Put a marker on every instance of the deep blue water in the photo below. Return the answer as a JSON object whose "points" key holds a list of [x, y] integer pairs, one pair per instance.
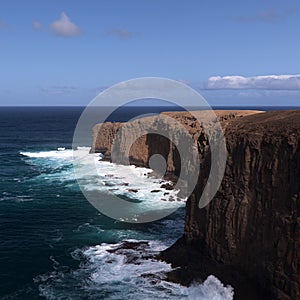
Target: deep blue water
{"points": [[47, 227], [43, 221]]}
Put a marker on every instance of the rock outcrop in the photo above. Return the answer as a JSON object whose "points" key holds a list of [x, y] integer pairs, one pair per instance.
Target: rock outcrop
{"points": [[251, 229]]}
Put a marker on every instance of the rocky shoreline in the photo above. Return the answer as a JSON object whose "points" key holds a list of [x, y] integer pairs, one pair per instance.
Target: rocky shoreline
{"points": [[192, 264], [249, 235]]}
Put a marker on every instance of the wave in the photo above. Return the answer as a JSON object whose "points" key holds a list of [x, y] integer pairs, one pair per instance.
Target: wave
{"points": [[126, 270], [16, 198], [49, 154], [130, 183], [60, 152]]}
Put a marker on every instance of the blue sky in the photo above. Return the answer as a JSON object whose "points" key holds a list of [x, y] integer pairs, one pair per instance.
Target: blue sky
{"points": [[63, 52]]}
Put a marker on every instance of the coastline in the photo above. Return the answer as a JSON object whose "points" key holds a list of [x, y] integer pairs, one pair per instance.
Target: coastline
{"points": [[225, 254], [192, 263]]}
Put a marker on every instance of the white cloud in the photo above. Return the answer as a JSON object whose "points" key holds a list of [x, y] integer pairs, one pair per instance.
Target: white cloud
{"points": [[37, 25], [65, 27], [268, 82]]}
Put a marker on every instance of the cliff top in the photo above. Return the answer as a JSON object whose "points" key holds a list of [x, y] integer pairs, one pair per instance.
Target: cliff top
{"points": [[279, 122]]}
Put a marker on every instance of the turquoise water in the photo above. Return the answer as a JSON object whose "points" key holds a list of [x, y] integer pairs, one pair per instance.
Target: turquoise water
{"points": [[53, 243]]}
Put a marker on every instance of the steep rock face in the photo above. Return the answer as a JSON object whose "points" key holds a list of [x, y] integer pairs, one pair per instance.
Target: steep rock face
{"points": [[104, 136], [253, 222]]}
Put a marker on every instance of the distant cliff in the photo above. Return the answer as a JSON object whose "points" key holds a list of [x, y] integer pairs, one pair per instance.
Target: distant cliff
{"points": [[253, 223]]}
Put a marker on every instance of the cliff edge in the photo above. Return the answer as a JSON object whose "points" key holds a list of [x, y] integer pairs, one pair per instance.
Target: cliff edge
{"points": [[251, 229]]}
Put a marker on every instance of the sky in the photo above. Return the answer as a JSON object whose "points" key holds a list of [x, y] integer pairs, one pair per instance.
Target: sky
{"points": [[64, 52]]}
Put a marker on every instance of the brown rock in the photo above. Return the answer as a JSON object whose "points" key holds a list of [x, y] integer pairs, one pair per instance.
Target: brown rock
{"points": [[133, 190], [167, 186], [252, 226]]}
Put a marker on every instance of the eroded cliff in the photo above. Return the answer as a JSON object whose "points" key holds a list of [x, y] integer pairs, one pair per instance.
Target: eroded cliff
{"points": [[253, 222]]}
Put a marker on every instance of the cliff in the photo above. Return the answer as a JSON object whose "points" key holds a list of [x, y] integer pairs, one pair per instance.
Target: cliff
{"points": [[249, 234]]}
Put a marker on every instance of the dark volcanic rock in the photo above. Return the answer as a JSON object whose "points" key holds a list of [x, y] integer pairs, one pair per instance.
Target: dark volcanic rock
{"points": [[254, 220], [167, 186], [249, 234], [193, 263], [133, 190]]}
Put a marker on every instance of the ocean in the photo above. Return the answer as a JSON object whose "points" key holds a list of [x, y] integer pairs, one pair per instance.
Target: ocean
{"points": [[53, 243]]}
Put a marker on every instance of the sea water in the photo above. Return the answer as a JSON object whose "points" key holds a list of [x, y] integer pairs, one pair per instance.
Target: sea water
{"points": [[54, 244]]}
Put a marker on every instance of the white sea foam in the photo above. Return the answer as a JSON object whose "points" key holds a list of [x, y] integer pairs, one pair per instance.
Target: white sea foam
{"points": [[23, 198], [212, 288], [112, 263], [126, 270], [130, 182], [108, 270], [49, 154], [18, 199]]}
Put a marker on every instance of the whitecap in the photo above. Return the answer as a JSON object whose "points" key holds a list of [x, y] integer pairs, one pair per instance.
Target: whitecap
{"points": [[23, 198], [212, 288], [49, 154], [130, 183], [126, 270]]}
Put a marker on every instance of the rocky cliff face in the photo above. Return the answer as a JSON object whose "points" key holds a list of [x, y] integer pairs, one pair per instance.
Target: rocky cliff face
{"points": [[253, 222]]}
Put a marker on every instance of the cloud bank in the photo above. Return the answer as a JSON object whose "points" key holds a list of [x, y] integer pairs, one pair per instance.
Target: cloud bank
{"points": [[268, 82], [65, 27]]}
